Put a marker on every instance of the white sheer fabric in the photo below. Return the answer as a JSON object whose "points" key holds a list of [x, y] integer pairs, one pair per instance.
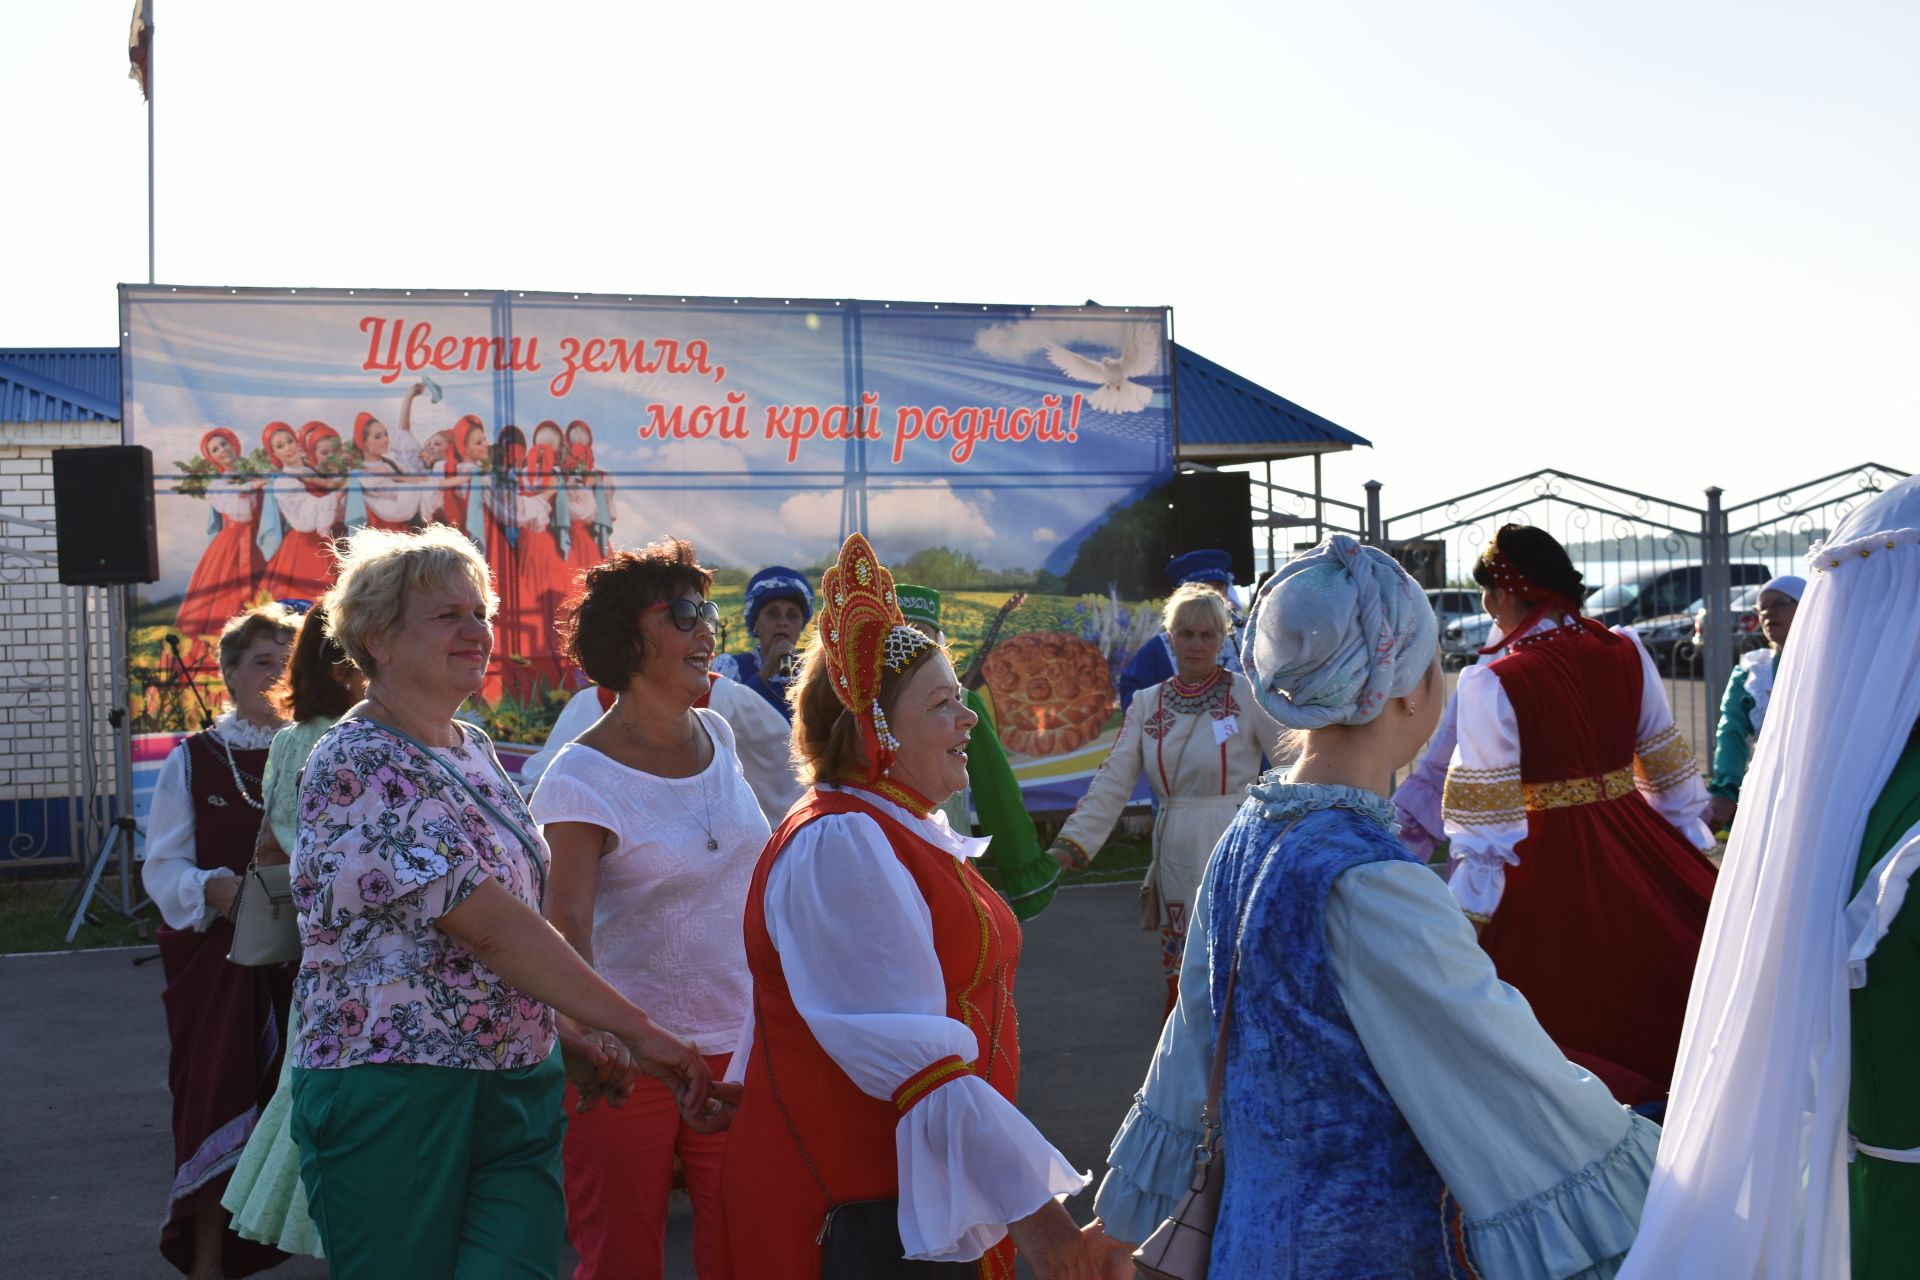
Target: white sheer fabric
{"points": [[237, 500], [1751, 1177], [874, 997], [1488, 746], [392, 483]]}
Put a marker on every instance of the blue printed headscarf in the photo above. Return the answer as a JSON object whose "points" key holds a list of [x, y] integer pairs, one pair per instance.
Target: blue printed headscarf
{"points": [[1336, 632]]}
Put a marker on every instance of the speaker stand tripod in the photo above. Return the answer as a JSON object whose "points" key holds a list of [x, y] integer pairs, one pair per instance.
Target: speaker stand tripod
{"points": [[118, 846]]}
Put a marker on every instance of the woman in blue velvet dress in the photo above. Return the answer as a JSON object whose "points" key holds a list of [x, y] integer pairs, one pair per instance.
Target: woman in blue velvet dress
{"points": [[1391, 1108]]}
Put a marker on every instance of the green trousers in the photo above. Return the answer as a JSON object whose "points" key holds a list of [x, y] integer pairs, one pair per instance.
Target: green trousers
{"points": [[434, 1173], [1883, 1105]]}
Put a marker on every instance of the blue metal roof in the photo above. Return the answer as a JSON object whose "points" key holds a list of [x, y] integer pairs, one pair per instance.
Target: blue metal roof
{"points": [[59, 384], [1225, 418]]}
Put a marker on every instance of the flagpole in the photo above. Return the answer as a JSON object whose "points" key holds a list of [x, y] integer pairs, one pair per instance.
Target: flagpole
{"points": [[149, 86]]}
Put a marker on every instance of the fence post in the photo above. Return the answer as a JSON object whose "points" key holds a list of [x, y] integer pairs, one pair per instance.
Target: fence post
{"points": [[1374, 534], [1717, 578]]}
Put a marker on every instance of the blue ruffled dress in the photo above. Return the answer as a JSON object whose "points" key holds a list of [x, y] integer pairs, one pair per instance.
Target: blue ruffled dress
{"points": [[1391, 1107]]}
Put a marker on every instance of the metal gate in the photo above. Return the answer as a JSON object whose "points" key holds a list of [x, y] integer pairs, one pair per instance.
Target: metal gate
{"points": [[1650, 563], [57, 754]]}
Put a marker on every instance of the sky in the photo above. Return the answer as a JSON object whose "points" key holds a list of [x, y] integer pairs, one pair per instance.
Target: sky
{"points": [[1666, 245]]}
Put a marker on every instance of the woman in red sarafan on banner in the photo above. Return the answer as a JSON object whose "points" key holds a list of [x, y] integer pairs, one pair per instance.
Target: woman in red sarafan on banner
{"points": [[1572, 804], [230, 569], [884, 1054], [586, 507], [385, 491], [311, 504], [546, 579]]}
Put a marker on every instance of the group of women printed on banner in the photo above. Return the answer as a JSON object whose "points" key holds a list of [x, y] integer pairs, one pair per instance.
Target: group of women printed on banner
{"points": [[541, 512]]}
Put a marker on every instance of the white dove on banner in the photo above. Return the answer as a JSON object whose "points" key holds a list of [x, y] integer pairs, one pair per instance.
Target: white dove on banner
{"points": [[1139, 353]]}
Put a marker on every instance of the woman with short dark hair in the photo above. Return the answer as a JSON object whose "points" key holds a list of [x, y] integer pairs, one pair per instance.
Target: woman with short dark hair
{"points": [[1572, 806], [654, 832]]}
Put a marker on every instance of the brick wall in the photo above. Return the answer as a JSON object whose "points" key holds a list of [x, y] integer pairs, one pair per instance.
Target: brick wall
{"points": [[42, 775]]}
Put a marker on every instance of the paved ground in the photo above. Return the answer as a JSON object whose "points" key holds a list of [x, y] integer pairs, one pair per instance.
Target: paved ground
{"points": [[85, 1154]]}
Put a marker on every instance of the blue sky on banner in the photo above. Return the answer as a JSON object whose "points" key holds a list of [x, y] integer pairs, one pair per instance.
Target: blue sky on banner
{"points": [[1665, 244], [767, 373]]}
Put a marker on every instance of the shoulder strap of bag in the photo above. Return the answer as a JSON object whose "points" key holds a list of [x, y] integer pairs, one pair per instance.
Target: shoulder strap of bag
{"points": [[1210, 1115], [500, 819]]}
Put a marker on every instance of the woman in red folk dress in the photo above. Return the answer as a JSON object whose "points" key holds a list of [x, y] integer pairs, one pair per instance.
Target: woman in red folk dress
{"points": [[231, 567], [546, 578], [1573, 804], [311, 505], [384, 490], [587, 512], [883, 1057]]}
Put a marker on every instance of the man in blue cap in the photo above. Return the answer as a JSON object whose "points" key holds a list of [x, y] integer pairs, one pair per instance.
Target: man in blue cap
{"points": [[1154, 662], [779, 605]]}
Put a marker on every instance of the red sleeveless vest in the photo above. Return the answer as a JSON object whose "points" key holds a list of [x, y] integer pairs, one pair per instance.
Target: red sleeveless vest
{"points": [[774, 1205]]}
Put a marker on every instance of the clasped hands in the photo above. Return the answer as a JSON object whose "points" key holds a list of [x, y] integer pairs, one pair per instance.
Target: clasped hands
{"points": [[604, 1067]]}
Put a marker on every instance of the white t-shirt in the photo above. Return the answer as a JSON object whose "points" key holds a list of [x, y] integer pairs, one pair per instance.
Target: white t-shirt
{"points": [[667, 913]]}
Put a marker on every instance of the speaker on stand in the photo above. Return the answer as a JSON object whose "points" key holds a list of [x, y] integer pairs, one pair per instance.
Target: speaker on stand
{"points": [[1214, 509], [104, 537]]}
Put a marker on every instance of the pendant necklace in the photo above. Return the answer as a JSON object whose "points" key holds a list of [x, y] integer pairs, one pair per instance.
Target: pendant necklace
{"points": [[713, 843]]}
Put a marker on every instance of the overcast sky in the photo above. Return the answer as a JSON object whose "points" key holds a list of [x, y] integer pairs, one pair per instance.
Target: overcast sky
{"points": [[1664, 244]]}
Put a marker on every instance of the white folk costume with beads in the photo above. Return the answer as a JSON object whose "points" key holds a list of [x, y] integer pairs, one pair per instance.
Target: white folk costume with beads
{"points": [[1198, 747]]}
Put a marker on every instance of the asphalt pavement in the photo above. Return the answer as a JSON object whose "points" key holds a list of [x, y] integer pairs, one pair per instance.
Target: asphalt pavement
{"points": [[86, 1154]]}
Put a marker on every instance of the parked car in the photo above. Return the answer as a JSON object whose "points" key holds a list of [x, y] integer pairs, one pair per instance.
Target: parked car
{"points": [[1452, 603], [1743, 619], [1461, 639], [1668, 591]]}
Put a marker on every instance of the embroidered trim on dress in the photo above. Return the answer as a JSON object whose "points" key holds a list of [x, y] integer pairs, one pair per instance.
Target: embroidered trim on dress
{"points": [[923, 1082], [1215, 698], [1571, 792], [1483, 797], [1664, 761]]}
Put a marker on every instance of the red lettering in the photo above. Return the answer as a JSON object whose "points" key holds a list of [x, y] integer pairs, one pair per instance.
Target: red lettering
{"points": [[374, 326], [661, 425]]}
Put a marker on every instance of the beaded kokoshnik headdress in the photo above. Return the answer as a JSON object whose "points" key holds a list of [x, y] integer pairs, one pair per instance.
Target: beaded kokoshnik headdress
{"points": [[863, 636]]}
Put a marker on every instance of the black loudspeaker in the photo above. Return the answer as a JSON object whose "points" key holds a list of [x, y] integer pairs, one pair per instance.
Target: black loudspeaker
{"points": [[103, 516], [1215, 509]]}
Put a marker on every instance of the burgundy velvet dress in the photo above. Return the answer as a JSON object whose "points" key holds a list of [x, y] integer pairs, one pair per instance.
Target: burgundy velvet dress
{"points": [[225, 1023]]}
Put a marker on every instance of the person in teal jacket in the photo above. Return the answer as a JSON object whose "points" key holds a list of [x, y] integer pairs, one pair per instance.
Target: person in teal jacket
{"points": [[1027, 874], [1744, 705]]}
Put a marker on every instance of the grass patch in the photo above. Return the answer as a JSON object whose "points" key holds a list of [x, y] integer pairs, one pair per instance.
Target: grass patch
{"points": [[31, 919]]}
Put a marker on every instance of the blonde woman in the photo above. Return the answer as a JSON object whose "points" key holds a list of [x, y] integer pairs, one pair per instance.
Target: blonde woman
{"points": [[1199, 737]]}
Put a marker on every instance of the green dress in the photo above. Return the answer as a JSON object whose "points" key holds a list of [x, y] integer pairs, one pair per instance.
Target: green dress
{"points": [[1026, 872], [1883, 1104], [264, 1195]]}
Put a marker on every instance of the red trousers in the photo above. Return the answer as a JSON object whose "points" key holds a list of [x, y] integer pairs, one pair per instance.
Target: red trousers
{"points": [[619, 1169]]}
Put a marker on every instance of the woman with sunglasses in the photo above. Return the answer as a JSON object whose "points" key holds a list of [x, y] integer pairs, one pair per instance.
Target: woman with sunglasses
{"points": [[655, 834]]}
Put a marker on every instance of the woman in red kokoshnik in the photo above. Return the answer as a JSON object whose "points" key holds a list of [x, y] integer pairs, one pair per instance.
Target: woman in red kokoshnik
{"points": [[231, 567], [310, 506], [885, 1055], [1573, 804]]}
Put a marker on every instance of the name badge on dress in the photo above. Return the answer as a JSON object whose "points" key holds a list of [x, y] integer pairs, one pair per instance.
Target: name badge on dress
{"points": [[1224, 728]]}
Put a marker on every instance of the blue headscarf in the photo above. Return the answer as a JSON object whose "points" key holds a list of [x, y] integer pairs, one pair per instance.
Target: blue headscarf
{"points": [[777, 582], [1336, 632]]}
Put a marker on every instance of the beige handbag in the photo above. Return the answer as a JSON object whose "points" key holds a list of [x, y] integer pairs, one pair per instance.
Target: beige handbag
{"points": [[1180, 1247], [266, 928]]}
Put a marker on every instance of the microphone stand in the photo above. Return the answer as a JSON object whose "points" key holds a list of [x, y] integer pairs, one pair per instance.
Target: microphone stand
{"points": [[184, 674]]}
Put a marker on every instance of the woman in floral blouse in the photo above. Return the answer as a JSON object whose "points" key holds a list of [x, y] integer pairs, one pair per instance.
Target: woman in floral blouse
{"points": [[427, 1099]]}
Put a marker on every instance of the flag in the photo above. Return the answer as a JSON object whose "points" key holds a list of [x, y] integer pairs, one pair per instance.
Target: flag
{"points": [[140, 49]]}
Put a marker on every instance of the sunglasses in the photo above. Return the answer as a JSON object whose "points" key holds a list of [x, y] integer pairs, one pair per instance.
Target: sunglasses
{"points": [[685, 612]]}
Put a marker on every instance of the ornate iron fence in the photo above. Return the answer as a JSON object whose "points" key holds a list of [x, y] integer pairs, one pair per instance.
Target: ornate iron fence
{"points": [[58, 769]]}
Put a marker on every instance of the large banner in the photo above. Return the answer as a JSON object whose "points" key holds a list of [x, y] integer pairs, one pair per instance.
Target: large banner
{"points": [[989, 452]]}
